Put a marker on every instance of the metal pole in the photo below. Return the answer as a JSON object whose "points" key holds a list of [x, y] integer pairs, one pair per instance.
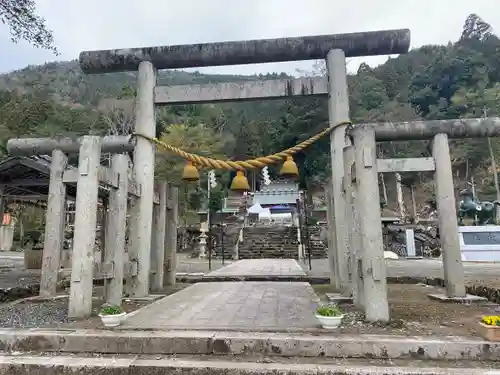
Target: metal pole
{"points": [[208, 226], [209, 243], [473, 186], [308, 237], [299, 219], [208, 203], [222, 242]]}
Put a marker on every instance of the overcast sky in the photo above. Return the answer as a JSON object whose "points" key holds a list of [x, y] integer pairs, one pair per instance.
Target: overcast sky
{"points": [[103, 24]]}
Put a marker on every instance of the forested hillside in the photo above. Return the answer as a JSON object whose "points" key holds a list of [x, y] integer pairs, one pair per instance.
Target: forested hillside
{"points": [[461, 79]]}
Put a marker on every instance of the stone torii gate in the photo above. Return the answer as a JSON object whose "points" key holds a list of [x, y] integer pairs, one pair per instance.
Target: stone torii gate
{"points": [[333, 48], [367, 274], [113, 184]]}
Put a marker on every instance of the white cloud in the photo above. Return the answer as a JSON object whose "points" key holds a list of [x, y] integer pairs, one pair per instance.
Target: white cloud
{"points": [[102, 24]]}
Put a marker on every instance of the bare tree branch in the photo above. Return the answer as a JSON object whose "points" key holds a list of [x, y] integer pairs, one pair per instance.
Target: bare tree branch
{"points": [[21, 18]]}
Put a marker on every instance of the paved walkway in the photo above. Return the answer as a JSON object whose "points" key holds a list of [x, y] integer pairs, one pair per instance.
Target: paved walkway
{"points": [[417, 268], [239, 306], [261, 267]]}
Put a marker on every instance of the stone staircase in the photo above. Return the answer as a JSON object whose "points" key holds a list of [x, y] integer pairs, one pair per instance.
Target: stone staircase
{"points": [[317, 242], [269, 242], [224, 247], [117, 352]]}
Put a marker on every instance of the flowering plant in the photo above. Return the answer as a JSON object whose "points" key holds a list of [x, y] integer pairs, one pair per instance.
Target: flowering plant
{"points": [[491, 320]]}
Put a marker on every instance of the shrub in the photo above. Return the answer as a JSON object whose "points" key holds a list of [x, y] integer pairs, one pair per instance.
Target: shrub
{"points": [[328, 310], [111, 310]]}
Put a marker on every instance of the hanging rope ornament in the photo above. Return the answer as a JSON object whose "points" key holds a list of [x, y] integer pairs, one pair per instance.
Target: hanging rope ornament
{"points": [[190, 173], [240, 182], [289, 168], [257, 163]]}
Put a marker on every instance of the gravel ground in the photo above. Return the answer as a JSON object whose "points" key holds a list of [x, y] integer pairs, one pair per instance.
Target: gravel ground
{"points": [[30, 313], [408, 304], [413, 313], [27, 314]]}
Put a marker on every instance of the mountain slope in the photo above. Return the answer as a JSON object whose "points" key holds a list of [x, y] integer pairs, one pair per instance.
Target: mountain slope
{"points": [[64, 81]]}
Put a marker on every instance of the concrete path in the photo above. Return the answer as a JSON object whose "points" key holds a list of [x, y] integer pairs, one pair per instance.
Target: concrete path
{"points": [[242, 306], [261, 267]]}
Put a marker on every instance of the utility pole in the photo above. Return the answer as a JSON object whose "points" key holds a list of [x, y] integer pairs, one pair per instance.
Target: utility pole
{"points": [[473, 186], [494, 169], [212, 183], [208, 201]]}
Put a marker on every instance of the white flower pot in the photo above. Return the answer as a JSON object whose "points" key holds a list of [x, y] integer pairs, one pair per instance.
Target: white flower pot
{"points": [[113, 320], [330, 322]]}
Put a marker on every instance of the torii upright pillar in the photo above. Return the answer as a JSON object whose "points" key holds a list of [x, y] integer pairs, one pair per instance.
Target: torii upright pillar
{"points": [[368, 208], [144, 161], [338, 112]]}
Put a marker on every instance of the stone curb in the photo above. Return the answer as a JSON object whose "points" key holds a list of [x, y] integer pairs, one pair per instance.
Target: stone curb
{"points": [[314, 280], [122, 366], [208, 279], [248, 343]]}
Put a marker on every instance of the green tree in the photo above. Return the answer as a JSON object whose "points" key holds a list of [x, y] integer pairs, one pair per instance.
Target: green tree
{"points": [[198, 139], [367, 94], [476, 28]]}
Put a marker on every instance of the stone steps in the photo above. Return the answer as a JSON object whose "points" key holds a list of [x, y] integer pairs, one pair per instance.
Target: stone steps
{"points": [[230, 239], [228, 252], [270, 248], [319, 248], [263, 255], [262, 252], [284, 242], [269, 242], [276, 245], [144, 365], [276, 345]]}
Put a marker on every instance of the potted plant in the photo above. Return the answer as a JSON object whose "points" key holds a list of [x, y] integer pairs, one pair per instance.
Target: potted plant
{"points": [[112, 315], [489, 327], [330, 316]]}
